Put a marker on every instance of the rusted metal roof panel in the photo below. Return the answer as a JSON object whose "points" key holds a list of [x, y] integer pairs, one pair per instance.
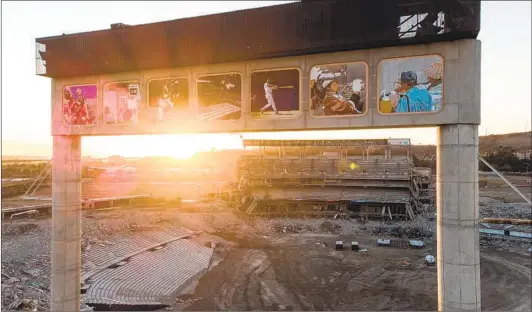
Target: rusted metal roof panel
{"points": [[315, 143], [292, 29]]}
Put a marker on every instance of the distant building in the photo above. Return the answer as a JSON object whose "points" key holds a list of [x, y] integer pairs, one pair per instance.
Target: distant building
{"points": [[116, 160], [523, 155]]}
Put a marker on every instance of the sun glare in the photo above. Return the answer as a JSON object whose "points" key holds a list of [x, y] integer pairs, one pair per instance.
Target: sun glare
{"points": [[185, 146], [176, 146]]}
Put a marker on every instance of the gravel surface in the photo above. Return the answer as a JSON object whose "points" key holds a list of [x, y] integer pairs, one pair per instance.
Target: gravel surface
{"points": [[492, 208], [26, 248]]}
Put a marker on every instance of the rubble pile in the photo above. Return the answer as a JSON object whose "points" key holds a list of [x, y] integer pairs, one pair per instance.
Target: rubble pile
{"points": [[397, 231], [299, 226], [419, 228], [503, 244], [26, 265], [19, 229], [22, 294], [293, 228], [492, 208], [329, 227]]}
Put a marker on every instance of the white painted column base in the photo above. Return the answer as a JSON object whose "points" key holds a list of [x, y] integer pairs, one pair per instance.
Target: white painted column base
{"points": [[66, 220], [458, 256]]}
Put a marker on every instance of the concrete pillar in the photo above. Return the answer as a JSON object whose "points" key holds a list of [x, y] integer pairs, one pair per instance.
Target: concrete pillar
{"points": [[457, 203], [66, 220]]}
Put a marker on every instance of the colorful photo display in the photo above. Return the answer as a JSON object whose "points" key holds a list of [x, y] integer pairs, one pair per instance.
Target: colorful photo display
{"points": [[338, 90], [168, 99], [219, 97], [79, 105], [275, 94], [121, 101], [411, 85]]}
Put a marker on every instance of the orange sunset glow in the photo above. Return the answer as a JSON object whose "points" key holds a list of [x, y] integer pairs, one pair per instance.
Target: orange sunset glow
{"points": [[186, 145]]}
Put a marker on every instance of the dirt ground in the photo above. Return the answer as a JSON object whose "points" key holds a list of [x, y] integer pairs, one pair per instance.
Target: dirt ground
{"points": [[497, 189], [303, 271], [282, 264]]}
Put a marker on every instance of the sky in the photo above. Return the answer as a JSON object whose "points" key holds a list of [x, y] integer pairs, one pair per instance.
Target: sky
{"points": [[505, 75]]}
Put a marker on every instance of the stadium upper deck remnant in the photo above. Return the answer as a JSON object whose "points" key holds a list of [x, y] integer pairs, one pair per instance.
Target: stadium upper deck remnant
{"points": [[293, 29]]}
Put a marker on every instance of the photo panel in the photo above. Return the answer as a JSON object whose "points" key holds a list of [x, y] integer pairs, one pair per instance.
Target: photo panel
{"points": [[411, 85], [168, 99], [121, 102], [80, 105], [219, 96], [338, 89], [275, 94]]}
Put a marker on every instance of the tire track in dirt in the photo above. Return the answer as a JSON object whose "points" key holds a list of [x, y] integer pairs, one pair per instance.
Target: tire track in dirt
{"points": [[243, 280], [295, 274], [506, 275]]}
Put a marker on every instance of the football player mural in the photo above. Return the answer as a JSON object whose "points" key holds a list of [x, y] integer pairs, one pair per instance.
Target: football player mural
{"points": [[79, 105], [338, 90]]}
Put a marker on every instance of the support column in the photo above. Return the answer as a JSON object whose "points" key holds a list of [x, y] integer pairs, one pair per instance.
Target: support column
{"points": [[458, 256], [66, 220]]}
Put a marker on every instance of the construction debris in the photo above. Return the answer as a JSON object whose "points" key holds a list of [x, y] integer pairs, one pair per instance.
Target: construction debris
{"points": [[492, 208], [383, 242], [416, 243]]}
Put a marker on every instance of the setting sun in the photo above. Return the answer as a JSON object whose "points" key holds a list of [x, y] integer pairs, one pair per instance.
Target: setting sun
{"points": [[186, 145], [177, 146]]}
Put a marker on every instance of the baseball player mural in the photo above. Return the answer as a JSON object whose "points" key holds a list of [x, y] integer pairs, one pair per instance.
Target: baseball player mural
{"points": [[168, 99], [338, 90], [220, 96], [275, 94], [411, 85], [79, 105], [268, 94]]}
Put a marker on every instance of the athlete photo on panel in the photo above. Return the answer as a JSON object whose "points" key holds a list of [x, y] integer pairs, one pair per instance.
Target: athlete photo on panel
{"points": [[79, 105], [168, 99], [121, 102], [275, 94], [411, 85], [219, 97], [338, 90], [268, 94]]}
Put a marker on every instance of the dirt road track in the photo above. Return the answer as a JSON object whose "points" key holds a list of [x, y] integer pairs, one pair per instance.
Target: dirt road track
{"points": [[512, 274], [293, 273], [298, 275]]}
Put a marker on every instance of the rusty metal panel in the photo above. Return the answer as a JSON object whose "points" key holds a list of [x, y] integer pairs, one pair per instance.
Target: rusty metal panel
{"points": [[292, 29], [315, 143]]}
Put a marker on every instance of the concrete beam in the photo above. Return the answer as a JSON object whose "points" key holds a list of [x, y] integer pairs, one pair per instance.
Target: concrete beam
{"points": [[457, 203], [66, 220]]}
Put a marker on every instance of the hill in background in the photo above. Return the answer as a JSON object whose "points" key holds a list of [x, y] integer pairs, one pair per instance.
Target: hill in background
{"points": [[519, 141]]}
